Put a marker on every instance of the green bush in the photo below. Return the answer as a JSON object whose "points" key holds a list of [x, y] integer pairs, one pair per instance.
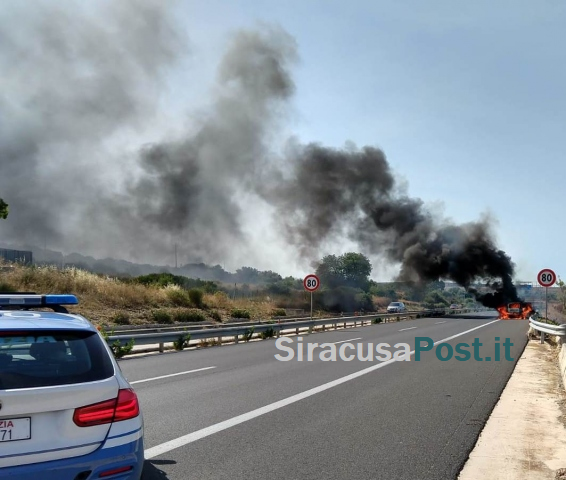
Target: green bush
{"points": [[279, 312], [183, 316], [182, 342], [344, 299], [164, 279], [161, 279], [269, 333], [6, 288], [364, 302], [161, 316], [239, 313], [118, 350], [215, 316], [248, 334], [121, 318], [180, 298], [376, 320], [435, 299], [196, 296]]}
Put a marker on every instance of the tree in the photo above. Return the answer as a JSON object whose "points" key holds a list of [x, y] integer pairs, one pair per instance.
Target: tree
{"points": [[348, 270], [435, 299], [268, 276], [328, 271], [437, 285], [3, 209], [247, 275], [356, 269]]}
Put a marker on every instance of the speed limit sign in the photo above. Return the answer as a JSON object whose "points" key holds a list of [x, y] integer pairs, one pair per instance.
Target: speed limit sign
{"points": [[546, 277], [311, 282]]}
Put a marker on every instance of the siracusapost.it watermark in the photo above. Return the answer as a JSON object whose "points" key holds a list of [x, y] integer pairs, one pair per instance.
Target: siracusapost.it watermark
{"points": [[382, 352]]}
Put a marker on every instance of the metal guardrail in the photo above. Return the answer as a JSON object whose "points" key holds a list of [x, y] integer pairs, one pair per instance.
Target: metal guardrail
{"points": [[250, 331], [155, 328], [125, 330], [542, 327]]}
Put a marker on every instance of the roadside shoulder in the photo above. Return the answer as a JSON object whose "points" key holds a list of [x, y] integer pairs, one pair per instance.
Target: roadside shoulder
{"points": [[525, 436]]}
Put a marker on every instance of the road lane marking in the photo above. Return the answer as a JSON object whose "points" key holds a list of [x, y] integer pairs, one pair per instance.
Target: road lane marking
{"points": [[218, 427], [344, 341], [170, 375], [438, 323], [403, 329]]}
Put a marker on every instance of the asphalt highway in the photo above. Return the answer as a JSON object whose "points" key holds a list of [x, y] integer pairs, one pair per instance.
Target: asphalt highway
{"points": [[236, 412]]}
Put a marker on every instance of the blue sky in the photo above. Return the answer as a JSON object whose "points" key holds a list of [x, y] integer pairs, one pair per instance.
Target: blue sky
{"points": [[466, 99]]}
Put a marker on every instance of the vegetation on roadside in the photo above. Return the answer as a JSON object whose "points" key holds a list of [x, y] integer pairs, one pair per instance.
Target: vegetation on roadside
{"points": [[116, 347], [182, 342], [4, 210], [109, 300], [167, 299], [248, 334], [268, 333], [240, 313]]}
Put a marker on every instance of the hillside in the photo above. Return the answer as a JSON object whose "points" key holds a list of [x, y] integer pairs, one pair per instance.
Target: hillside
{"points": [[164, 298], [109, 300], [124, 268]]}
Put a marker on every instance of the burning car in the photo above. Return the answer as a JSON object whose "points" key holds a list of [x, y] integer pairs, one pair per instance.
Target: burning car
{"points": [[515, 311]]}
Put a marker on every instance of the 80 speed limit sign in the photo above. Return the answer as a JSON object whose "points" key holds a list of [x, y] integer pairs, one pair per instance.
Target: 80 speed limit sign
{"points": [[311, 283], [546, 277]]}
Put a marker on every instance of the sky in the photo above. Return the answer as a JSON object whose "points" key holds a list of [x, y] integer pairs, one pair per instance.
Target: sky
{"points": [[465, 100]]}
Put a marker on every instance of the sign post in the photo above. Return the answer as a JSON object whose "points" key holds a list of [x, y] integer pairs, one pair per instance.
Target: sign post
{"points": [[311, 283], [546, 278]]}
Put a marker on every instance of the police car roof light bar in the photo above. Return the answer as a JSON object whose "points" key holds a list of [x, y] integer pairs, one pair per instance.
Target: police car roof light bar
{"points": [[30, 300]]}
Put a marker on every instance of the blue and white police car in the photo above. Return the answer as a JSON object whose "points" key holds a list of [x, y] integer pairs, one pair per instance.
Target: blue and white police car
{"points": [[66, 410]]}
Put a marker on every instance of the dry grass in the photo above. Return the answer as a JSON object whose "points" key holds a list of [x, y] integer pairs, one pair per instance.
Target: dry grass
{"points": [[381, 302], [412, 305], [107, 300], [556, 312]]}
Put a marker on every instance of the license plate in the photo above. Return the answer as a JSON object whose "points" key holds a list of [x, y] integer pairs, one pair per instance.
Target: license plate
{"points": [[12, 429]]}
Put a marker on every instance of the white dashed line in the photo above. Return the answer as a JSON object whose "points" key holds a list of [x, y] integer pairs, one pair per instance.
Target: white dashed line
{"points": [[171, 375], [344, 341]]}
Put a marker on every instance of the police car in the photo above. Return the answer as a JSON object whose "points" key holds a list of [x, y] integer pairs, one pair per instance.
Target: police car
{"points": [[66, 410]]}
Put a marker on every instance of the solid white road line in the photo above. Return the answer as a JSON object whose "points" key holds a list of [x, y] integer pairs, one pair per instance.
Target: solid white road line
{"points": [[170, 375], [438, 323], [218, 427], [403, 329], [344, 341]]}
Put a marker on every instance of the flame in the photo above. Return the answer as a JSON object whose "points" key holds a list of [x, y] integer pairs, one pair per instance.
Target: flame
{"points": [[515, 311]]}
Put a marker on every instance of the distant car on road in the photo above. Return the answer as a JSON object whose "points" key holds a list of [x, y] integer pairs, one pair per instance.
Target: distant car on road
{"points": [[396, 307], [455, 306], [66, 410]]}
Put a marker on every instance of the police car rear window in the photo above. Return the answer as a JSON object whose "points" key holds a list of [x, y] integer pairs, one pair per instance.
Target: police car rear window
{"points": [[51, 357]]}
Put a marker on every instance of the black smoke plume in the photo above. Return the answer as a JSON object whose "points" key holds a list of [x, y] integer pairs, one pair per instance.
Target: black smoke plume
{"points": [[330, 192], [77, 80]]}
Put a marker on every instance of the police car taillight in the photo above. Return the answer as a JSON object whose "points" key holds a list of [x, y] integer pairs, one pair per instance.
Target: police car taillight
{"points": [[124, 407]]}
